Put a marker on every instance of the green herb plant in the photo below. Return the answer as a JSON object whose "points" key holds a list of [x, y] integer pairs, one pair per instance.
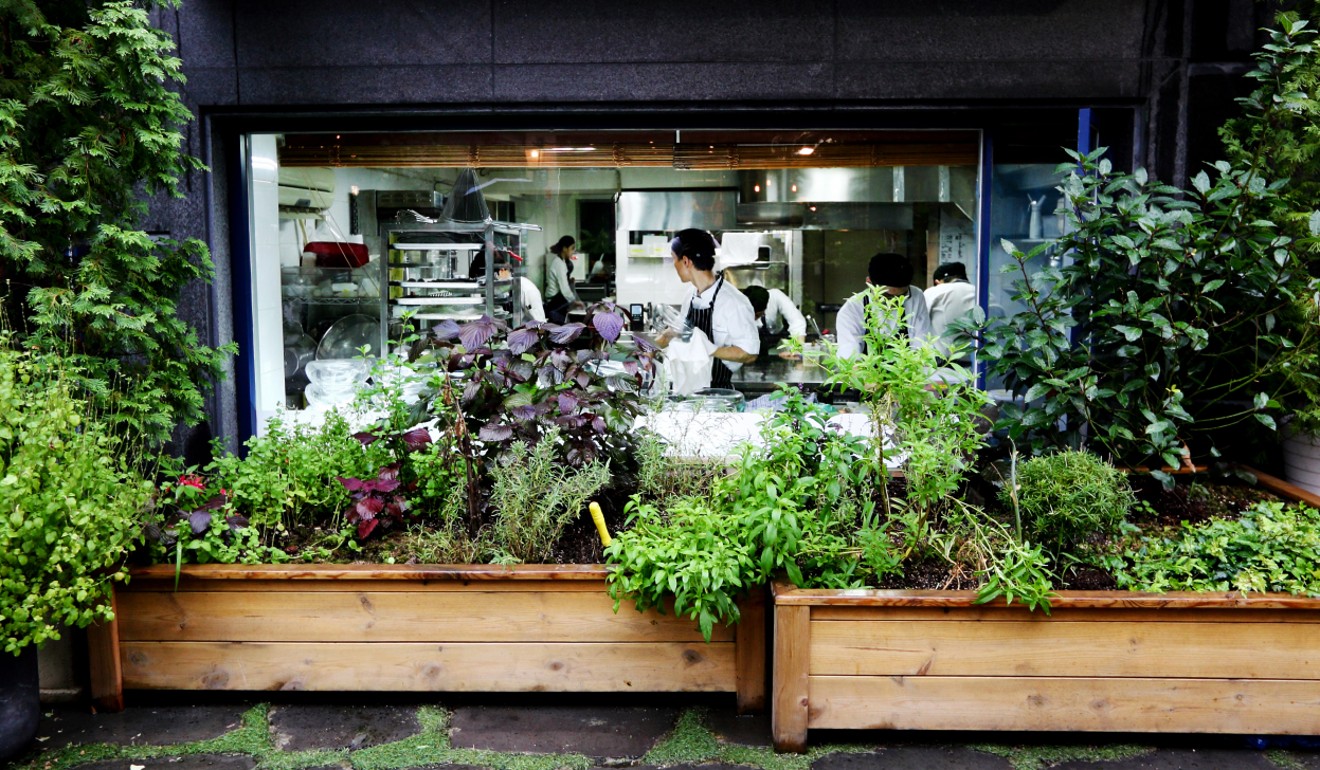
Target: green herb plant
{"points": [[199, 527], [789, 506], [73, 504], [288, 480], [534, 496], [1068, 501], [1272, 546]]}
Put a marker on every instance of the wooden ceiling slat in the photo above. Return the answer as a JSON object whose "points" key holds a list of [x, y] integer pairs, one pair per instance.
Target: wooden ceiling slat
{"points": [[901, 149]]}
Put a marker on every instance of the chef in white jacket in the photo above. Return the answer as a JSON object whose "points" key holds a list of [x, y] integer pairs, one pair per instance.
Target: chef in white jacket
{"points": [[893, 272]]}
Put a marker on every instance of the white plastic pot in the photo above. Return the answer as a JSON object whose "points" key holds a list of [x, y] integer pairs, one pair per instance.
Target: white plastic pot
{"points": [[1301, 460]]}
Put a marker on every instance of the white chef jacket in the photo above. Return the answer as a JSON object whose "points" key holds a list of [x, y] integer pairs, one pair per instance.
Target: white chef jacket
{"points": [[531, 300], [732, 323], [850, 324], [780, 312], [948, 302], [556, 279]]}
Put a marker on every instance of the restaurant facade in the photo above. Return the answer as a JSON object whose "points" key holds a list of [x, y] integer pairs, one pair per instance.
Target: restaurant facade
{"points": [[412, 137]]}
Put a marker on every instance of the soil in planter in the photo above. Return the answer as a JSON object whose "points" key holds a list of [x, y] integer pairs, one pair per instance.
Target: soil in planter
{"points": [[1192, 500]]}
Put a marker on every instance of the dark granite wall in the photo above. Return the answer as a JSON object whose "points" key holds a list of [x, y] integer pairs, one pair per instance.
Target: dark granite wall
{"points": [[1171, 66]]}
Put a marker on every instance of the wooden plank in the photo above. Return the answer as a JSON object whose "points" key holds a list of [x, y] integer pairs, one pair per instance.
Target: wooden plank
{"points": [[1061, 600], [789, 698], [941, 648], [409, 572], [1285, 489], [750, 651], [464, 667], [1069, 704], [472, 616], [1015, 614], [104, 669], [310, 585]]}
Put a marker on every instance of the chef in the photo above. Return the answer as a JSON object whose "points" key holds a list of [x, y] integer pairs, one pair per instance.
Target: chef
{"points": [[893, 272], [777, 318], [714, 306]]}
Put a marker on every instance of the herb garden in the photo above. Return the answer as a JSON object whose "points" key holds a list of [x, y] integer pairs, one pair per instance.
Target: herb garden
{"points": [[1091, 556]]}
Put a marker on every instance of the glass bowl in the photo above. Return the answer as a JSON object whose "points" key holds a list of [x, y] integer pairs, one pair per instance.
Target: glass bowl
{"points": [[346, 337]]}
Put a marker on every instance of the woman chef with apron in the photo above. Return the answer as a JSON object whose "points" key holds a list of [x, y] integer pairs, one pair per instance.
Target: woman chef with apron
{"points": [[713, 306]]}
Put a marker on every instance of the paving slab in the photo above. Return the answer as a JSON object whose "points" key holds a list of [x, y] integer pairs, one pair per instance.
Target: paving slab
{"points": [[332, 726], [600, 732], [187, 762], [739, 729], [156, 726], [1304, 758], [916, 758], [1181, 759]]}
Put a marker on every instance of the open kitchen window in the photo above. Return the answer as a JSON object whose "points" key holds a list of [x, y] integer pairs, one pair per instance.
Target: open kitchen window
{"points": [[351, 231]]}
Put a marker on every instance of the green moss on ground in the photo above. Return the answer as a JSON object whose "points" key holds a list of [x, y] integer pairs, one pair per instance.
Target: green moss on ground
{"points": [[690, 742]]}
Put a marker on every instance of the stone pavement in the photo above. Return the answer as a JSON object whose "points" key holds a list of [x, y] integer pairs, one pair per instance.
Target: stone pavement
{"points": [[284, 731]]}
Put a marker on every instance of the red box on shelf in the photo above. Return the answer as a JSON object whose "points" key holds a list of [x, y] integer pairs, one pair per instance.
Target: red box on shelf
{"points": [[338, 253]]}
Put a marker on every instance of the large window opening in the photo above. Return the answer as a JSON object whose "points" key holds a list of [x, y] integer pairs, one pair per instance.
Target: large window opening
{"points": [[350, 231]]}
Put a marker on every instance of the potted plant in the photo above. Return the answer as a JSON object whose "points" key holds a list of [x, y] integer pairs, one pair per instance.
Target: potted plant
{"points": [[72, 504], [460, 581]]}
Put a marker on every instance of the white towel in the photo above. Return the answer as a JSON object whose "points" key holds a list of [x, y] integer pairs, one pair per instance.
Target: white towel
{"points": [[688, 364]]}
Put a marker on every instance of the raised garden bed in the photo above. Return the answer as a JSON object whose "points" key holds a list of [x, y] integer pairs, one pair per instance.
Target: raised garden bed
{"points": [[1101, 661], [545, 628]]}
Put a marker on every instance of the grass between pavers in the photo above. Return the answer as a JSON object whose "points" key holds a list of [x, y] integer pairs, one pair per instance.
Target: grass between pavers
{"points": [[1042, 757], [690, 742]]}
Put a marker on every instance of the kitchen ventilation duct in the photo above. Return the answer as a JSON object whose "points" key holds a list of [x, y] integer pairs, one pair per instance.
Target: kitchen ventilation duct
{"points": [[465, 202]]}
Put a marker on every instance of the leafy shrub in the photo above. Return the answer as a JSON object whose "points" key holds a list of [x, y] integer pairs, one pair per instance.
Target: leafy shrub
{"points": [[1272, 547], [90, 128], [1163, 325], [518, 385], [1067, 499], [72, 503]]}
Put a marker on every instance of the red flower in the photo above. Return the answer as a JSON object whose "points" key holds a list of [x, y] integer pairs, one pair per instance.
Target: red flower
{"points": [[192, 481]]}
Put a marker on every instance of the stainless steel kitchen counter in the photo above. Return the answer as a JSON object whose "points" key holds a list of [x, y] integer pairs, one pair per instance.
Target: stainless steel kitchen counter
{"points": [[765, 377]]}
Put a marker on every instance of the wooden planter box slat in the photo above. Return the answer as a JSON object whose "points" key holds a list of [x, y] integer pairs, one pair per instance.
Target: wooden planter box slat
{"points": [[429, 666], [392, 616], [1149, 648], [1101, 661], [1065, 704], [410, 628]]}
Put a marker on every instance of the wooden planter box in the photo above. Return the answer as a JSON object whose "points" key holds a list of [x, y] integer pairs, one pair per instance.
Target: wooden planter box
{"points": [[1102, 661], [548, 628]]}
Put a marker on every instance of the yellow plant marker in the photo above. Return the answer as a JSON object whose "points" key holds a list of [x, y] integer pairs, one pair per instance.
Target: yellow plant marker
{"points": [[599, 518]]}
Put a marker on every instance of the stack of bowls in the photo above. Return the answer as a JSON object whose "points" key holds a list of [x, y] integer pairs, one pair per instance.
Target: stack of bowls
{"points": [[334, 381]]}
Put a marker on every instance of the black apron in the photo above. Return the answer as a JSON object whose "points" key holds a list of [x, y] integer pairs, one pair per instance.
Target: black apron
{"points": [[721, 376], [769, 340]]}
